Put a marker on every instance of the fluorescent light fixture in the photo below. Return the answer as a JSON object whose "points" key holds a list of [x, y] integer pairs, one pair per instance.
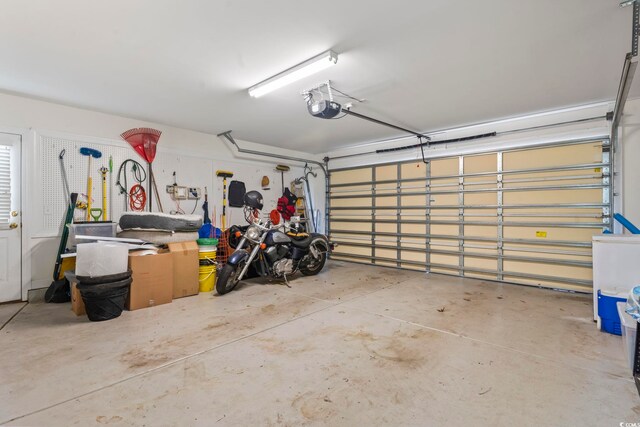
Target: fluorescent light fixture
{"points": [[300, 71]]}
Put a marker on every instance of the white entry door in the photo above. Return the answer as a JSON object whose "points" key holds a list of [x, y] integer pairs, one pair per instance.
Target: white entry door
{"points": [[10, 218]]}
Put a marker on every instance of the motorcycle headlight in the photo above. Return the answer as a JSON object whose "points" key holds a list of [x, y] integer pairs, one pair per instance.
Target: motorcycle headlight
{"points": [[253, 233]]}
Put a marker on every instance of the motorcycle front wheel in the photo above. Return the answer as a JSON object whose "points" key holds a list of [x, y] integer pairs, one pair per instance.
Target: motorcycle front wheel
{"points": [[228, 278]]}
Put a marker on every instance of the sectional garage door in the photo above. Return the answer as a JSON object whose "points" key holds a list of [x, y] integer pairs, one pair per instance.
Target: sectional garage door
{"points": [[521, 216]]}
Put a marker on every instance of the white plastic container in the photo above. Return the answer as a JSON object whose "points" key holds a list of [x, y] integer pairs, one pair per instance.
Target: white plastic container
{"points": [[101, 259], [615, 265], [97, 229], [629, 326]]}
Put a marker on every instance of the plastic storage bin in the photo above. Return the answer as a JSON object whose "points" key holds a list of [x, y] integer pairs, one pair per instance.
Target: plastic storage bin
{"points": [[628, 325], [97, 229], [608, 312], [101, 259]]}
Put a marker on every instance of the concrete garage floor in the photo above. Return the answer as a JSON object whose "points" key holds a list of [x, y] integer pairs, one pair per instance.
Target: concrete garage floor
{"points": [[355, 345]]}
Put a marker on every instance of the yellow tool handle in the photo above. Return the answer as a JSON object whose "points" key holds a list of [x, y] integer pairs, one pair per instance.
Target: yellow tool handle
{"points": [[104, 197], [89, 187]]}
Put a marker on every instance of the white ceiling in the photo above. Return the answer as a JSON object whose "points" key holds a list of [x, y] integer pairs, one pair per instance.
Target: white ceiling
{"points": [[421, 64]]}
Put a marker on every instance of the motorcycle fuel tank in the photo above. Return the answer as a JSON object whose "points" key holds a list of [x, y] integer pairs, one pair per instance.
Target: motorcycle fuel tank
{"points": [[276, 237]]}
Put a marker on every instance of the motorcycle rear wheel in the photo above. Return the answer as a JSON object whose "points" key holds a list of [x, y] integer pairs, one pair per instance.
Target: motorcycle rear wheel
{"points": [[227, 279], [316, 267]]}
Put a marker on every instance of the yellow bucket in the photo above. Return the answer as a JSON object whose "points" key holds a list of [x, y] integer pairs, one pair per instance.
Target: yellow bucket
{"points": [[207, 269]]}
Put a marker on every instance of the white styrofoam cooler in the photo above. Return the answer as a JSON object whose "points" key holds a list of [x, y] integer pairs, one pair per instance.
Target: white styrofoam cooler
{"points": [[616, 265]]}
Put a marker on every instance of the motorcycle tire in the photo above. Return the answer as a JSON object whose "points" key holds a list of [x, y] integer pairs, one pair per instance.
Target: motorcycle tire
{"points": [[227, 273], [317, 268]]}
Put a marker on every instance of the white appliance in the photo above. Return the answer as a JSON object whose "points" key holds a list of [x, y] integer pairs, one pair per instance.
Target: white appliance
{"points": [[616, 265]]}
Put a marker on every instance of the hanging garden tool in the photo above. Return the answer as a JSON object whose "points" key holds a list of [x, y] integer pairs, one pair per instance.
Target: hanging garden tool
{"points": [[89, 152], [282, 169], [205, 207], [58, 290], [103, 172], [64, 175], [224, 175], [144, 142], [111, 187]]}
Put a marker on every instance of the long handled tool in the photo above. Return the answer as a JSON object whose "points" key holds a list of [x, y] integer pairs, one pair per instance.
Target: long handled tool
{"points": [[58, 290], [103, 172], [282, 169], [90, 153], [205, 207], [64, 174], [144, 142], [110, 187], [224, 175]]}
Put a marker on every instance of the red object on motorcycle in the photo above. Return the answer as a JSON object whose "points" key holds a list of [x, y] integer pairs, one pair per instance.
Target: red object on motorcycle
{"points": [[275, 217]]}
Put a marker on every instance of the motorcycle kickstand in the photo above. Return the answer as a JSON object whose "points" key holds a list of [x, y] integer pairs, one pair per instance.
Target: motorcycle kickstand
{"points": [[286, 282]]}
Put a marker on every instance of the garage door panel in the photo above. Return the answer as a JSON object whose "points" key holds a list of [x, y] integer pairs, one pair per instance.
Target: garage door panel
{"points": [[414, 170], [552, 157], [387, 202], [480, 163], [444, 229], [480, 231], [546, 216], [412, 256], [347, 203], [350, 176], [481, 276], [549, 233], [414, 228], [444, 199], [388, 172], [387, 253], [481, 263], [413, 200], [386, 228], [552, 197], [578, 273], [346, 249], [480, 199], [355, 226], [452, 260], [444, 167]]}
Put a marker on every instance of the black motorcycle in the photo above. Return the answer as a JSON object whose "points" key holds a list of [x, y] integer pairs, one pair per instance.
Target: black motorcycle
{"points": [[269, 252]]}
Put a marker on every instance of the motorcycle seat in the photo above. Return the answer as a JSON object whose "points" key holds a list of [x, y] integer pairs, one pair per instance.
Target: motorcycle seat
{"points": [[301, 242]]}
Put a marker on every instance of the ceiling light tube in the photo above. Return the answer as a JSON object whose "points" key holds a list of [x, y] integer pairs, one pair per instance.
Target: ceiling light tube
{"points": [[293, 74]]}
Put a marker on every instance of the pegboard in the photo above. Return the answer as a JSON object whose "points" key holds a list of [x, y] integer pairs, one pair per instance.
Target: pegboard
{"points": [[52, 200], [49, 203]]}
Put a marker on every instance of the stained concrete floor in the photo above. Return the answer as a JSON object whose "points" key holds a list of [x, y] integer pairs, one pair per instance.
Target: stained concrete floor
{"points": [[355, 345]]}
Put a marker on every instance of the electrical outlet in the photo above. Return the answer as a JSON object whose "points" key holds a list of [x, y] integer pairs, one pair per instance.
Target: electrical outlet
{"points": [[194, 193], [170, 189], [180, 193]]}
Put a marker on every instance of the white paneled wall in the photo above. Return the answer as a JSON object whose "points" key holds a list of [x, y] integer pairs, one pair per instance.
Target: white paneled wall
{"points": [[47, 127], [191, 171]]}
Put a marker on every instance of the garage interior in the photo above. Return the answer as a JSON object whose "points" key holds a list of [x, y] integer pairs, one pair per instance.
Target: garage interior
{"points": [[272, 213]]}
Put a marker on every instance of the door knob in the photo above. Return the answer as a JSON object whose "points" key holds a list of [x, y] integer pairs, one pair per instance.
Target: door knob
{"points": [[14, 213], [13, 225]]}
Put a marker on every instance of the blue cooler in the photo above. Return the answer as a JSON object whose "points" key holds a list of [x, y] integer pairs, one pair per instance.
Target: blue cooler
{"points": [[608, 312]]}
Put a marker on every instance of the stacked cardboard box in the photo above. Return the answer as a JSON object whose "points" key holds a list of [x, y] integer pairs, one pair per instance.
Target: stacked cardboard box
{"points": [[156, 278]]}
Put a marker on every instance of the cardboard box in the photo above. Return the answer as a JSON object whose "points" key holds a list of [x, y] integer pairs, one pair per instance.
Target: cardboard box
{"points": [[77, 305], [185, 268], [152, 280]]}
